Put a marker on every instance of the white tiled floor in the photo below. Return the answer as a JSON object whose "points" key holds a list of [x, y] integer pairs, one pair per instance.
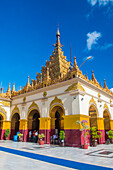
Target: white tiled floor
{"points": [[11, 162]]}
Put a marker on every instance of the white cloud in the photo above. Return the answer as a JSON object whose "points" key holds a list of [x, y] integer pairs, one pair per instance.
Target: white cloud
{"points": [[92, 2], [92, 39], [100, 2]]}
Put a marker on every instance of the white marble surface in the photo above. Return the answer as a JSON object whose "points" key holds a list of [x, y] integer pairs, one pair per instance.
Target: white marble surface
{"points": [[10, 162]]}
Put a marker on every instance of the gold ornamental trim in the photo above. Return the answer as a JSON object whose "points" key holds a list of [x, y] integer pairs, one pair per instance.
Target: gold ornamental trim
{"points": [[75, 86], [105, 106], [15, 110], [5, 103], [2, 110], [92, 101], [56, 100], [33, 106]]}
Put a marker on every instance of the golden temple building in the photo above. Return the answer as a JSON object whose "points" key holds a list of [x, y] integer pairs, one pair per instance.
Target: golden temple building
{"points": [[55, 101]]}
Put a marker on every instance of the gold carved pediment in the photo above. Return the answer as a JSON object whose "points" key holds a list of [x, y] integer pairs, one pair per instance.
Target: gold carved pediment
{"points": [[92, 101], [2, 110], [75, 86], [56, 100], [15, 110], [33, 106], [105, 106]]}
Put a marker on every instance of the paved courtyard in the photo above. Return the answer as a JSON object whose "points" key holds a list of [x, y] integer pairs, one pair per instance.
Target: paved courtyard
{"points": [[21, 156]]}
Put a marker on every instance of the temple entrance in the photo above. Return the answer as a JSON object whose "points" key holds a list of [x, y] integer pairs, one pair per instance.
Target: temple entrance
{"points": [[93, 116], [33, 122], [1, 124], [106, 117], [15, 124], [57, 122]]}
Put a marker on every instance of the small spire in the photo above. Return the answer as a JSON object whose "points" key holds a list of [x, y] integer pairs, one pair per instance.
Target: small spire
{"points": [[93, 77], [105, 86], [9, 88], [1, 90], [20, 88], [75, 63], [13, 90], [58, 33], [32, 83], [28, 84]]}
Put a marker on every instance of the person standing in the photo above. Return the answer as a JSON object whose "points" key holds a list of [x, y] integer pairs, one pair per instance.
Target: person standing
{"points": [[36, 136], [30, 134]]}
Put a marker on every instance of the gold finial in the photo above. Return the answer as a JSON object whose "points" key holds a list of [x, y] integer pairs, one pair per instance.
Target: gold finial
{"points": [[31, 82], [13, 90], [105, 83], [9, 88], [58, 33], [93, 77], [28, 84], [1, 90]]}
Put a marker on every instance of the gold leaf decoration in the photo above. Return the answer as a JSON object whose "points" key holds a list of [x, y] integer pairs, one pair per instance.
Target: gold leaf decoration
{"points": [[56, 100], [24, 99], [2, 110], [45, 94], [106, 106], [98, 95], [5, 103], [33, 106], [15, 110], [75, 86], [92, 101]]}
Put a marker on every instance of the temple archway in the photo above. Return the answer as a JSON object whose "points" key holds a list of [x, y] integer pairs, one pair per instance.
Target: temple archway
{"points": [[15, 121], [93, 115], [33, 120], [57, 119], [106, 117]]}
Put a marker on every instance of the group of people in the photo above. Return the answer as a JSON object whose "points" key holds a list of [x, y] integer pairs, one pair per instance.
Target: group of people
{"points": [[55, 139], [33, 136]]}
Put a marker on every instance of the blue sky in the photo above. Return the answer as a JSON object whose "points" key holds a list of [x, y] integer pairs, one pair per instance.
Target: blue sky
{"points": [[28, 30]]}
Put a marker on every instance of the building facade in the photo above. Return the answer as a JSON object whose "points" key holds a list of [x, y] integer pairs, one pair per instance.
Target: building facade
{"points": [[55, 101]]}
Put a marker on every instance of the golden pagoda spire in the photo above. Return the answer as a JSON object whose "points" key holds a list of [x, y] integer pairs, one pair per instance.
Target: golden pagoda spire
{"points": [[20, 88], [13, 90], [8, 90], [93, 77], [105, 86], [75, 63], [28, 84]]}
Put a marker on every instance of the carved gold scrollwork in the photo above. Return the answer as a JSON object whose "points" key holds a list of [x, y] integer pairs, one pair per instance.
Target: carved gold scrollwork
{"points": [[106, 106], [2, 110], [75, 86], [56, 100], [15, 110], [33, 106], [92, 101], [5, 103]]}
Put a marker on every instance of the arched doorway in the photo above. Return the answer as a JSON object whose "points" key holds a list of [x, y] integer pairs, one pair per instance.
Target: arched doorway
{"points": [[15, 121], [1, 124], [93, 115], [106, 117], [57, 119], [33, 120]]}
